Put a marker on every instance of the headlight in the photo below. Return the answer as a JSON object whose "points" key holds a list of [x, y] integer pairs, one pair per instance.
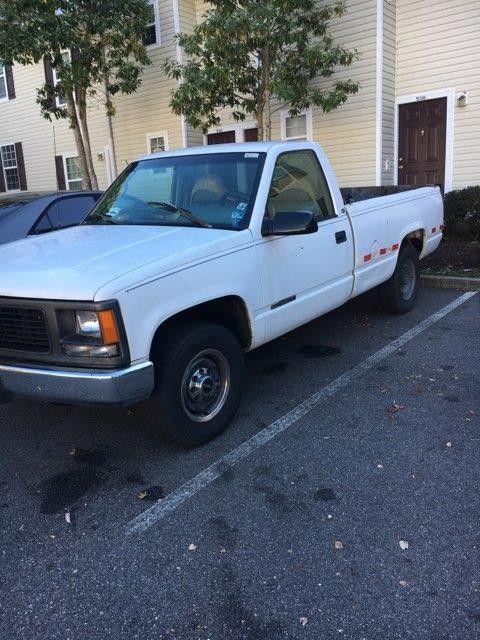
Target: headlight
{"points": [[96, 335], [88, 324]]}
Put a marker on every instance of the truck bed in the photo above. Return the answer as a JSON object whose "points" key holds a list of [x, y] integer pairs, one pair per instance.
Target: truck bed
{"points": [[357, 194]]}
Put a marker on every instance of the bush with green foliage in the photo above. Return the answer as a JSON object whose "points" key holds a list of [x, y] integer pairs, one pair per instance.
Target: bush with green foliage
{"points": [[462, 213]]}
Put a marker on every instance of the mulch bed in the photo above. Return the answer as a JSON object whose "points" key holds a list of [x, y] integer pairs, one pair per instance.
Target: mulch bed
{"points": [[454, 256]]}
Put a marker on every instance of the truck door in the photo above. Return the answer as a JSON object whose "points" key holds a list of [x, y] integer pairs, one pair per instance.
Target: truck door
{"points": [[304, 276]]}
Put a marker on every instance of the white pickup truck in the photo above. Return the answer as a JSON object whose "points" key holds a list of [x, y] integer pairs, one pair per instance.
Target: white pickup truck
{"points": [[189, 260]]}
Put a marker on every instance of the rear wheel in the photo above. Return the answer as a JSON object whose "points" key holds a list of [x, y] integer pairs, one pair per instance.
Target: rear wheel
{"points": [[399, 293], [199, 378]]}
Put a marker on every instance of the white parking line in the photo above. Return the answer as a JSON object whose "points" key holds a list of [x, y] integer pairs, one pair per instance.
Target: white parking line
{"points": [[186, 491]]}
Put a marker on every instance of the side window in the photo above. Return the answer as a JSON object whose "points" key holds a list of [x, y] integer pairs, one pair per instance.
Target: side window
{"points": [[298, 184], [69, 211], [42, 225]]}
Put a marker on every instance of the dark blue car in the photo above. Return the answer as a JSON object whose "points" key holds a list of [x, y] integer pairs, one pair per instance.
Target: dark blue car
{"points": [[27, 214]]}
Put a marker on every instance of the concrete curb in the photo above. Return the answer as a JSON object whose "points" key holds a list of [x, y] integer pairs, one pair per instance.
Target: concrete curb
{"points": [[450, 282]]}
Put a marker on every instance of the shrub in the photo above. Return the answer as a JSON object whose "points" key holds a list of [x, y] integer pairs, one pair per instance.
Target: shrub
{"points": [[462, 213]]}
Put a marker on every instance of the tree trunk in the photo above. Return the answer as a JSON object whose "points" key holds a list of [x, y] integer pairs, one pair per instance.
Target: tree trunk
{"points": [[259, 116], [267, 117], [86, 182], [82, 115], [112, 147], [109, 110], [264, 115]]}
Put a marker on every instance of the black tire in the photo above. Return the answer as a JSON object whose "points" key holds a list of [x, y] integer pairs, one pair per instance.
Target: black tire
{"points": [[199, 369], [399, 293]]}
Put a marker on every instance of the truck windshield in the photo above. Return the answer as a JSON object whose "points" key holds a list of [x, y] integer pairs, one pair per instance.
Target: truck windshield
{"points": [[206, 190]]}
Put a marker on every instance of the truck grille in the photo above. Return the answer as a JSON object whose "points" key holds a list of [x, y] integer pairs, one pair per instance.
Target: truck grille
{"points": [[23, 329]]}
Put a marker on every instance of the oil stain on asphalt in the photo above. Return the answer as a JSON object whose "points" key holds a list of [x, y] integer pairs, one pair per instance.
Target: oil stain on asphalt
{"points": [[63, 490], [324, 493], [312, 351], [274, 367], [94, 457]]}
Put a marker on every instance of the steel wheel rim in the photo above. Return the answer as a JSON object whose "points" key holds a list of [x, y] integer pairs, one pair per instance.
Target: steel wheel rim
{"points": [[408, 278], [205, 385]]}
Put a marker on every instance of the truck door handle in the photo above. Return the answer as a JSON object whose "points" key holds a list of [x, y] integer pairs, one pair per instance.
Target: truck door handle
{"points": [[340, 237]]}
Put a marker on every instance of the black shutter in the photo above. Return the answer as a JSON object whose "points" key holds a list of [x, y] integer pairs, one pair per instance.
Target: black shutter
{"points": [[47, 65], [60, 173], [21, 166], [2, 179], [10, 83]]}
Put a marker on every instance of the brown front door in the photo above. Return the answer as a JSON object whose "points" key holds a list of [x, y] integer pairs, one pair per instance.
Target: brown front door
{"points": [[421, 142], [220, 138]]}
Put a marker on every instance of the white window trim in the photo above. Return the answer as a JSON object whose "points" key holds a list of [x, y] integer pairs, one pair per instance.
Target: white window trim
{"points": [[156, 11], [158, 134], [9, 143], [283, 125], [3, 74], [65, 173], [238, 127], [449, 94]]}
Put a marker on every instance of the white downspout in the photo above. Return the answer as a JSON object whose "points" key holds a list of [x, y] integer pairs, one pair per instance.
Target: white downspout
{"points": [[379, 95]]}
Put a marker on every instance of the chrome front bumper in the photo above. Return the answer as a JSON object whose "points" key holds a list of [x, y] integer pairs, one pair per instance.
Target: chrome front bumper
{"points": [[122, 386]]}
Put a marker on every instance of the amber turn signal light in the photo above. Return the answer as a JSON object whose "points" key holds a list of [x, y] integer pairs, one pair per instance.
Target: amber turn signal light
{"points": [[108, 326]]}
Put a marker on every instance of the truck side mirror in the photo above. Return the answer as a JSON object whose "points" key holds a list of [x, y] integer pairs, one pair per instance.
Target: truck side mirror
{"points": [[290, 223]]}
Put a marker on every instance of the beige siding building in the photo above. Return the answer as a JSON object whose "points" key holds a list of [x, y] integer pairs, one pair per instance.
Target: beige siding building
{"points": [[416, 118]]}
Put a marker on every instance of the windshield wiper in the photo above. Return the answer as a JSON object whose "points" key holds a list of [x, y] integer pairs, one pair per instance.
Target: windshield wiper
{"points": [[169, 206], [103, 218]]}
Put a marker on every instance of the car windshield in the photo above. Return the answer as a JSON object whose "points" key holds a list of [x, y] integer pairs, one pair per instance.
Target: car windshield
{"points": [[206, 190]]}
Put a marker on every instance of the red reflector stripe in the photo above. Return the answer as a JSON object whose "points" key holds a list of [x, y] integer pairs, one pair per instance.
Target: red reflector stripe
{"points": [[383, 252], [395, 247], [434, 229], [367, 257]]}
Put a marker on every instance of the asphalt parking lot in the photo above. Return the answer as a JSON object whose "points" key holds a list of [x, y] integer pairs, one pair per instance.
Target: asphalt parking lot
{"points": [[353, 513]]}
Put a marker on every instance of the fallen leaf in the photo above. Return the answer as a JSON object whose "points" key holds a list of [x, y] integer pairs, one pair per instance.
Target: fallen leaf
{"points": [[152, 493], [67, 518], [403, 583], [396, 407], [223, 550], [303, 621], [339, 545], [403, 544], [192, 547]]}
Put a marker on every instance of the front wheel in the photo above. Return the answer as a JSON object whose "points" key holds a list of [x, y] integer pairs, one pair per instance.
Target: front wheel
{"points": [[399, 293], [199, 379]]}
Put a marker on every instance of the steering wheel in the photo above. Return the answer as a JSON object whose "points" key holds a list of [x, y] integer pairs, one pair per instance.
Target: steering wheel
{"points": [[234, 197]]}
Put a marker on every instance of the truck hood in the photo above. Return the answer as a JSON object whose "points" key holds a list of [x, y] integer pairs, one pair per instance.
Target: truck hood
{"points": [[74, 264]]}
